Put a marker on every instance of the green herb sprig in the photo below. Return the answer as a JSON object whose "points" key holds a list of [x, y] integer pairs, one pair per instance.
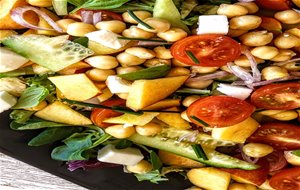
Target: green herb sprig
{"points": [[137, 19]]}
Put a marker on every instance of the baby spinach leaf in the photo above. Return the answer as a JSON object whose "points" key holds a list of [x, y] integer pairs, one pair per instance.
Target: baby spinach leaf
{"points": [[82, 41], [152, 176], [18, 72], [149, 73], [123, 143], [155, 160], [134, 6], [31, 97], [32, 125], [76, 2], [50, 135], [20, 116], [187, 7], [102, 4]]}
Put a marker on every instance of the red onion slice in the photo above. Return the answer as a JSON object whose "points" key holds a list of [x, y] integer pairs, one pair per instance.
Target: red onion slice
{"points": [[17, 15], [153, 43], [97, 17], [265, 82], [87, 16], [285, 62], [190, 137], [255, 72], [297, 74], [241, 73], [214, 75]]}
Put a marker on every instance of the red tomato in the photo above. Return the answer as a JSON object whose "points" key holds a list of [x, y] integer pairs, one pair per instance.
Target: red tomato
{"points": [[281, 136], [283, 96], [258, 176], [99, 115], [220, 111], [277, 5], [276, 160], [209, 49], [287, 179]]}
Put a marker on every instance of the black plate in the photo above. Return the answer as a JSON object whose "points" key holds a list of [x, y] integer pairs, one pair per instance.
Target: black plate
{"points": [[14, 144]]}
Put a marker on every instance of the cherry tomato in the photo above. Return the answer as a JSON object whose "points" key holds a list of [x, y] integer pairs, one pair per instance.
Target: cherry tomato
{"points": [[99, 115], [257, 177], [276, 160], [277, 5], [287, 179], [208, 49], [281, 136], [283, 96], [219, 111]]}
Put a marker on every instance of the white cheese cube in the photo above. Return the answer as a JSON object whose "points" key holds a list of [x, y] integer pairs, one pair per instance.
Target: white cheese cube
{"points": [[10, 61], [127, 156], [235, 91], [107, 38], [117, 84], [6, 101], [213, 24]]}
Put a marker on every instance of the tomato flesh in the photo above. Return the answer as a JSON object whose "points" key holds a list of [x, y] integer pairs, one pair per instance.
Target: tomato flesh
{"points": [[281, 136], [220, 111], [287, 179], [209, 49], [277, 5], [284, 96], [99, 115]]}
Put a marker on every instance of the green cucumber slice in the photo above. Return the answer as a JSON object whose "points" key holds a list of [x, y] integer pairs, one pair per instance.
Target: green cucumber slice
{"points": [[215, 158], [54, 53], [60, 7], [201, 138]]}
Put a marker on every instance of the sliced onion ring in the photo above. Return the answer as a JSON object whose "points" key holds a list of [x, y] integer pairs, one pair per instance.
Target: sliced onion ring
{"points": [[285, 62], [255, 72], [87, 16], [97, 17], [152, 43], [17, 15], [218, 74], [241, 73], [265, 82]]}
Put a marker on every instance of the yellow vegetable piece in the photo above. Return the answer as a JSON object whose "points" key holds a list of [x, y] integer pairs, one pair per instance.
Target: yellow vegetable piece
{"points": [[171, 159], [100, 49], [132, 119], [6, 33], [174, 119], [166, 103]]}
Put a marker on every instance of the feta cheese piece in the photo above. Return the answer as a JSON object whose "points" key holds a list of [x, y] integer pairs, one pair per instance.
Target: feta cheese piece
{"points": [[10, 61], [127, 156], [235, 91], [117, 84], [213, 24], [6, 101], [107, 38]]}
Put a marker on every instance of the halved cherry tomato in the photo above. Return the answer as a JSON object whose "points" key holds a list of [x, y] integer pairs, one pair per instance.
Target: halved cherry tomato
{"points": [[219, 111], [209, 49], [99, 115], [105, 15], [281, 136], [257, 177], [287, 179], [277, 5], [284, 96], [276, 160]]}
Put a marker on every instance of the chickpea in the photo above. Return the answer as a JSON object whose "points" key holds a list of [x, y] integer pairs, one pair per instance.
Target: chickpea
{"points": [[241, 186], [284, 55], [177, 63], [236, 32], [135, 32], [256, 38], [162, 52], [246, 22], [257, 150], [142, 167], [274, 72], [80, 29], [102, 61], [285, 115], [225, 68], [119, 131], [158, 25], [286, 41], [198, 84], [178, 71], [250, 6], [64, 23], [292, 66], [124, 70], [265, 52], [123, 96], [150, 129], [232, 10], [40, 3], [243, 61], [140, 14], [126, 59], [288, 17], [156, 61], [187, 101], [115, 26], [38, 107], [203, 70], [105, 95], [141, 52], [99, 74], [172, 35], [292, 158], [185, 116], [294, 31]]}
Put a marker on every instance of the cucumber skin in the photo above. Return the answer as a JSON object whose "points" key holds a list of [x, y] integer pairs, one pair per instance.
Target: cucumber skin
{"points": [[216, 159]]}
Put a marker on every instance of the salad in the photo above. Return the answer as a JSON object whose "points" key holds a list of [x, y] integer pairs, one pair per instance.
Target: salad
{"points": [[207, 89]]}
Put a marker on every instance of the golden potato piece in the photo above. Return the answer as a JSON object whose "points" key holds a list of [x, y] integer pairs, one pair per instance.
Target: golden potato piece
{"points": [[169, 158]]}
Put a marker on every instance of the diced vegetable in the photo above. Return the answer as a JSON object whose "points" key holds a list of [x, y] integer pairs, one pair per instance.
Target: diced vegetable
{"points": [[132, 119], [10, 61], [6, 101]]}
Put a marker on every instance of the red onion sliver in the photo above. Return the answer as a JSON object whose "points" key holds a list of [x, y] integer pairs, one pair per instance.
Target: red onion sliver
{"points": [[285, 62], [297, 74], [191, 136], [296, 10], [87, 16], [255, 72], [245, 157], [215, 75], [18, 13], [152, 43], [241, 73], [265, 82], [97, 17]]}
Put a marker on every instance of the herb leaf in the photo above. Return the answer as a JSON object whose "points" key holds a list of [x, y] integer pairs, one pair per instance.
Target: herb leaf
{"points": [[33, 124], [82, 41], [20, 116], [149, 73], [296, 152], [155, 160], [102, 4], [18, 72], [187, 7], [31, 97], [152, 176], [199, 151]]}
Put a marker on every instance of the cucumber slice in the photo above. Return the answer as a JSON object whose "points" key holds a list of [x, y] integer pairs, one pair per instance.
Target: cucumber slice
{"points": [[185, 149], [60, 7], [54, 53], [201, 138]]}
